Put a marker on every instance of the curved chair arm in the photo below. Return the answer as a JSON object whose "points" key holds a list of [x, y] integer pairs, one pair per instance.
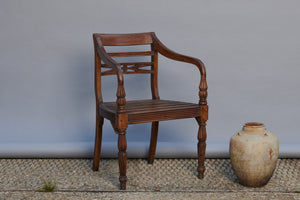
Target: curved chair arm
{"points": [[165, 51], [121, 101]]}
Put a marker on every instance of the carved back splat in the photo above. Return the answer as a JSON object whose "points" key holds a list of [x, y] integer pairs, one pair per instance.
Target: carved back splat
{"points": [[129, 68]]}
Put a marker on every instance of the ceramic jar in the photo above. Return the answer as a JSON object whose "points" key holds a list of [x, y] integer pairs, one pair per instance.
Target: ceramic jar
{"points": [[253, 154]]}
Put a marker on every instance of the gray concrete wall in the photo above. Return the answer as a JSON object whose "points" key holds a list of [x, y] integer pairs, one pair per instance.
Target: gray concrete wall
{"points": [[47, 108]]}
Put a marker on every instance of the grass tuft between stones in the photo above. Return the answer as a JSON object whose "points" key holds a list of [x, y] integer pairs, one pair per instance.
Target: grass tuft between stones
{"points": [[48, 186]]}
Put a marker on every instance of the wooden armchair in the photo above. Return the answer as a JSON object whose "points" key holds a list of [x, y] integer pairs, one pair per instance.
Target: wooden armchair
{"points": [[122, 113]]}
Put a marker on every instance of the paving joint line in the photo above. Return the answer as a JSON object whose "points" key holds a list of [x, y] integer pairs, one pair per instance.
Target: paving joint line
{"points": [[154, 191]]}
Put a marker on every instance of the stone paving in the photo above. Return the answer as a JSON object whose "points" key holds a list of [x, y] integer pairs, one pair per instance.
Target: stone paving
{"points": [[165, 179]]}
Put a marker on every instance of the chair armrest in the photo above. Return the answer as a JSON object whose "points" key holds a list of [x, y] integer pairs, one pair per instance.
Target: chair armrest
{"points": [[165, 51], [121, 101], [108, 60]]}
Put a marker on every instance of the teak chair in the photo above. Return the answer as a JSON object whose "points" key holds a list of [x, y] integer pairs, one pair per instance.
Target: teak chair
{"points": [[122, 113]]}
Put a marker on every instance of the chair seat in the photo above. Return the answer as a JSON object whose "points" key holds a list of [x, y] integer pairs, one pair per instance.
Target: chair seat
{"points": [[142, 111]]}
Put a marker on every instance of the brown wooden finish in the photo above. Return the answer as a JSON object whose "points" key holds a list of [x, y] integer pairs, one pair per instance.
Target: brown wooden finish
{"points": [[142, 111], [131, 54], [122, 113], [99, 118], [125, 39], [153, 142], [162, 49], [154, 68], [122, 146], [202, 140], [98, 139], [129, 68]]}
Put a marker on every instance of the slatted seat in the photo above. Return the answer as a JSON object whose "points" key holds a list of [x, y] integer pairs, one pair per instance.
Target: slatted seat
{"points": [[142, 111], [122, 112]]}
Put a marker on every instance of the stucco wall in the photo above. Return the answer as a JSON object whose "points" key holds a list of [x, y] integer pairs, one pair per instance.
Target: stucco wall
{"points": [[251, 50]]}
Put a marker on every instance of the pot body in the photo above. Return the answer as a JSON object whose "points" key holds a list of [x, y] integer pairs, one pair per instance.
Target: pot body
{"points": [[253, 154]]}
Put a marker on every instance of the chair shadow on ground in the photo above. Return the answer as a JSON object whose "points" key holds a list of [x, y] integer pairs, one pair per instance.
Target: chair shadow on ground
{"points": [[226, 170]]}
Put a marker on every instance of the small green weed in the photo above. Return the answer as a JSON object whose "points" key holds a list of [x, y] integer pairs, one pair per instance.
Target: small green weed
{"points": [[48, 186]]}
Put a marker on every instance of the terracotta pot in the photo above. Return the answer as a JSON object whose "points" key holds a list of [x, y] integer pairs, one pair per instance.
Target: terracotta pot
{"points": [[254, 153]]}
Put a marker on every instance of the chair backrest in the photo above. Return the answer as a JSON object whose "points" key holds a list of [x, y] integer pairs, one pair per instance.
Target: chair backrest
{"points": [[126, 39], [131, 67]]}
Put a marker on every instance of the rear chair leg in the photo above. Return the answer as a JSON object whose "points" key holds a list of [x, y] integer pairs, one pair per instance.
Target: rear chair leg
{"points": [[98, 140], [153, 142], [201, 146]]}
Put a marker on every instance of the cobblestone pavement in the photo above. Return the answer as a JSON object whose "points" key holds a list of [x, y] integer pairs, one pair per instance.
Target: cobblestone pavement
{"points": [[165, 179]]}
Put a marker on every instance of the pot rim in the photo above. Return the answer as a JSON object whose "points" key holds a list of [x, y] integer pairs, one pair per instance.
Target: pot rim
{"points": [[254, 127], [254, 124]]}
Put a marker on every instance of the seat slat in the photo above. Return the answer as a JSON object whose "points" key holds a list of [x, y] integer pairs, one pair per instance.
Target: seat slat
{"points": [[132, 106], [153, 108], [131, 54], [161, 109]]}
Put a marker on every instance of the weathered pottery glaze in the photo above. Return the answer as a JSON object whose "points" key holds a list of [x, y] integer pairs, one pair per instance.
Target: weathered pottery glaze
{"points": [[254, 153]]}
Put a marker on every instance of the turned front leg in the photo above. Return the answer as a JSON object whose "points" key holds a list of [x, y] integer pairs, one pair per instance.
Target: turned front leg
{"points": [[201, 148], [202, 140], [122, 145]]}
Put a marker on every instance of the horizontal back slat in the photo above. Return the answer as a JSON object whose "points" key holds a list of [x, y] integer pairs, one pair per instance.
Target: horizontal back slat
{"points": [[111, 72], [131, 54], [130, 63], [129, 68], [125, 39]]}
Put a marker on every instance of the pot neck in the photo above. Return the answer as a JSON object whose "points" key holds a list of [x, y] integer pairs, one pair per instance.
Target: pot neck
{"points": [[254, 127]]}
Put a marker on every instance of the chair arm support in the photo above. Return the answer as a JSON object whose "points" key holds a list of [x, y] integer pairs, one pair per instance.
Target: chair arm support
{"points": [[121, 101], [165, 51]]}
